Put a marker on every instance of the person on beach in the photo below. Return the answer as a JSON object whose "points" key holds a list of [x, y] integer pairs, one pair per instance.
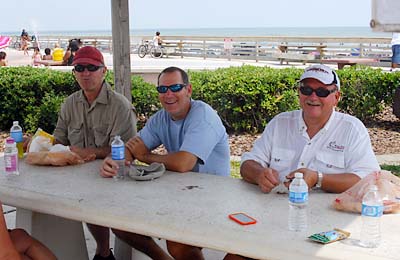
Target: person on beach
{"points": [[58, 53], [89, 120], [3, 60], [18, 244], [395, 51], [25, 44], [47, 54], [332, 150], [157, 40], [36, 57], [24, 36], [196, 140], [73, 47]]}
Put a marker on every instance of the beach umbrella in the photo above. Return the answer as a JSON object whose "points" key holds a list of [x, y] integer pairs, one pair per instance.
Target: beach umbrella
{"points": [[4, 41]]}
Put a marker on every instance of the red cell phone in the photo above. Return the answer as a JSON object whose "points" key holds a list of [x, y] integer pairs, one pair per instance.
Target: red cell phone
{"points": [[242, 218]]}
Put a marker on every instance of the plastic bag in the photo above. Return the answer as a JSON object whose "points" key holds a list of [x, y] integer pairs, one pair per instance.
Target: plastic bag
{"points": [[53, 158], [388, 187], [41, 141], [43, 152]]}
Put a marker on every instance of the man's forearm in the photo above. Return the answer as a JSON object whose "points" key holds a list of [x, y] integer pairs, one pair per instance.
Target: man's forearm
{"points": [[337, 183], [84, 153], [250, 170], [178, 161], [100, 152]]}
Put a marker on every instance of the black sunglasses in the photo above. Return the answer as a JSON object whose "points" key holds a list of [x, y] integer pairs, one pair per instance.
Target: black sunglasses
{"points": [[174, 88], [320, 92], [90, 67]]}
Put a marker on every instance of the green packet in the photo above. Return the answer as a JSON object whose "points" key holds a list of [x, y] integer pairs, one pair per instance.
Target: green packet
{"points": [[330, 236]]}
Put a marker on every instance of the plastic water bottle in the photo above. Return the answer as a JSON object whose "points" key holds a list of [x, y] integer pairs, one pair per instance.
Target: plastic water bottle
{"points": [[371, 212], [298, 200], [16, 134], [11, 157], [118, 155]]}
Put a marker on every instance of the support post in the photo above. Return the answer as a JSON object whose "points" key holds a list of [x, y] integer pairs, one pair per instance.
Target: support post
{"points": [[121, 47]]}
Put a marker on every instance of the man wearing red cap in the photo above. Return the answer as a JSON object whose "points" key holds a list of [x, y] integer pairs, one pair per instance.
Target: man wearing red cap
{"points": [[90, 118]]}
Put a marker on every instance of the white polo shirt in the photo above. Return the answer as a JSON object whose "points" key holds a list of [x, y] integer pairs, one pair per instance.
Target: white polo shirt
{"points": [[341, 146]]}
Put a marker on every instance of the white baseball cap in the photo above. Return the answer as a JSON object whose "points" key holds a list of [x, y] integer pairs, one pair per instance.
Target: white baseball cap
{"points": [[322, 73]]}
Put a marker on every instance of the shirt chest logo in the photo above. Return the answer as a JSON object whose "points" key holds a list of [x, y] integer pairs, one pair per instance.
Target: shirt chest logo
{"points": [[335, 147]]}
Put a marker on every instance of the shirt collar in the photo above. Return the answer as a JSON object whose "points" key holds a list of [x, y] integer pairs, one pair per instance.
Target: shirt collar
{"points": [[101, 98], [303, 126]]}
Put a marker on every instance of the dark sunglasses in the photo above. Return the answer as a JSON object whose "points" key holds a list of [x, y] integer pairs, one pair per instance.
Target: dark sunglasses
{"points": [[90, 67], [320, 92], [174, 88]]}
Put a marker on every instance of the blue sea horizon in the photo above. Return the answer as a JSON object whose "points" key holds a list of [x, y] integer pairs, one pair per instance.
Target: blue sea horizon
{"points": [[254, 31]]}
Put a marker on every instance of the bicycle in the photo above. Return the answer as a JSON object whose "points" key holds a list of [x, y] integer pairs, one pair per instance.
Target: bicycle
{"points": [[16, 42], [149, 48]]}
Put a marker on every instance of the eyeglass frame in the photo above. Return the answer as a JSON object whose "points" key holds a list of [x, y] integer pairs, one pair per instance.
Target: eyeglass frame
{"points": [[330, 91], [170, 87], [86, 67], [325, 92]]}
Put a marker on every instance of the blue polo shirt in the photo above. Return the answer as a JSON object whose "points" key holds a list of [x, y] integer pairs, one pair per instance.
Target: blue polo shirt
{"points": [[200, 133]]}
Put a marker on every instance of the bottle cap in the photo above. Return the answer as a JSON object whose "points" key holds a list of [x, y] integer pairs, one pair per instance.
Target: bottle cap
{"points": [[15, 122], [298, 175], [10, 140]]}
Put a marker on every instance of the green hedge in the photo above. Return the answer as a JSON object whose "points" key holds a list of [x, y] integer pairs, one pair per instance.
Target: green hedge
{"points": [[246, 97], [33, 96]]}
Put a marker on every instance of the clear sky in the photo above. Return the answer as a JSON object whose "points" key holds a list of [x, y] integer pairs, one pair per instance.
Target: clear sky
{"points": [[55, 15]]}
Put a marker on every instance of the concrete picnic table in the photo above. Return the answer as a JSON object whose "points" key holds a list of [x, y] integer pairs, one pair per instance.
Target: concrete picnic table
{"points": [[341, 62], [300, 52], [191, 208]]}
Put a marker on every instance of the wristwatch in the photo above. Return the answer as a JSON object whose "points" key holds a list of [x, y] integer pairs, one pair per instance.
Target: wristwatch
{"points": [[319, 181]]}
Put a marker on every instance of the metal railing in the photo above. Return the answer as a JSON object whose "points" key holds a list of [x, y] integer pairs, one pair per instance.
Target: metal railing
{"points": [[249, 48]]}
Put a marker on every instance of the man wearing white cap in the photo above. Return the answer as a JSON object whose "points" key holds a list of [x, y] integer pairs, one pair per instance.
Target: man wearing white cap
{"points": [[332, 150]]}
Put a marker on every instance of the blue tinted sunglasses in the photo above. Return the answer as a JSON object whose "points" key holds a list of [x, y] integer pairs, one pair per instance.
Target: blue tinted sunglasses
{"points": [[174, 88]]}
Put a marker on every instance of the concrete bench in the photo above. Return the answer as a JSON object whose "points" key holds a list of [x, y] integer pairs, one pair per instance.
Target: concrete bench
{"points": [[350, 61], [285, 56]]}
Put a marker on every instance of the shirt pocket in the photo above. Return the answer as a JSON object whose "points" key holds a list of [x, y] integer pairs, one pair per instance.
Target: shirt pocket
{"points": [[281, 160], [101, 136], [76, 134], [330, 162]]}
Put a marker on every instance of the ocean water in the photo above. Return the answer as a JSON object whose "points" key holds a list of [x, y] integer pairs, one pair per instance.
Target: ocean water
{"points": [[256, 31]]}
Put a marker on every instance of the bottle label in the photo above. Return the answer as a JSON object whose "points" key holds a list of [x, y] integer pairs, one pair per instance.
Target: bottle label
{"points": [[11, 161], [17, 136], [371, 211], [118, 152], [298, 197]]}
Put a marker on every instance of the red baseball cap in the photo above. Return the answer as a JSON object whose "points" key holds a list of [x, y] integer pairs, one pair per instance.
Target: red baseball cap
{"points": [[88, 55]]}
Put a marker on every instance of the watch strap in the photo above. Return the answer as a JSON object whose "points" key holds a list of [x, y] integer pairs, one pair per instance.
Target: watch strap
{"points": [[319, 181]]}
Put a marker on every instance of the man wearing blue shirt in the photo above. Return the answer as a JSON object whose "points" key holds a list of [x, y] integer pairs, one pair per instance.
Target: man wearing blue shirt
{"points": [[195, 139]]}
